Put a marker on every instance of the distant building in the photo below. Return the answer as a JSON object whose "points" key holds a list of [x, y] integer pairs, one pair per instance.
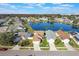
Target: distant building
{"points": [[66, 20], [58, 20], [43, 18]]}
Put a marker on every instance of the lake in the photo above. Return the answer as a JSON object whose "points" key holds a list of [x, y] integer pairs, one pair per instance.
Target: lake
{"points": [[52, 26]]}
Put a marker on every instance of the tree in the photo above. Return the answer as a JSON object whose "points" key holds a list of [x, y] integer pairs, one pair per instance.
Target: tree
{"points": [[6, 38], [26, 42], [75, 23], [27, 27]]}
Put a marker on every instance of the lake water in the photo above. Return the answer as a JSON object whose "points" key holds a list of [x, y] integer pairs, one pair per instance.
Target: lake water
{"points": [[53, 26]]}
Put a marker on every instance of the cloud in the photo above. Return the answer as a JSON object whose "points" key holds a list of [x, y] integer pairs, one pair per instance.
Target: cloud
{"points": [[10, 6], [66, 5]]}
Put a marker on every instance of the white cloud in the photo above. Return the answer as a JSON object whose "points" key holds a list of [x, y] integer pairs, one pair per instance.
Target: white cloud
{"points": [[66, 5], [28, 7]]}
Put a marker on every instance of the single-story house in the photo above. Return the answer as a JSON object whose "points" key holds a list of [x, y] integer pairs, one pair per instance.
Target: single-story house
{"points": [[25, 35], [3, 29], [38, 35], [50, 35], [64, 36], [17, 39], [77, 36]]}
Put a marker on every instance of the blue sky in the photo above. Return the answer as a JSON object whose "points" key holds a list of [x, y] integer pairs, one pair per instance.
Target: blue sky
{"points": [[39, 8]]}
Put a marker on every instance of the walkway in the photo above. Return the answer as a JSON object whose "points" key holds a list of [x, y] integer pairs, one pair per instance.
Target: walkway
{"points": [[36, 46], [52, 46], [16, 48], [69, 47]]}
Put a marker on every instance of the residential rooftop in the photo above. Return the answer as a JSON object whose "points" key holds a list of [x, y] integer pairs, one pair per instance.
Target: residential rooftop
{"points": [[63, 35]]}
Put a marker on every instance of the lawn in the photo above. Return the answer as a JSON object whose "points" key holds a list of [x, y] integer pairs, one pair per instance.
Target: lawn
{"points": [[26, 43], [44, 43], [73, 43], [58, 42]]}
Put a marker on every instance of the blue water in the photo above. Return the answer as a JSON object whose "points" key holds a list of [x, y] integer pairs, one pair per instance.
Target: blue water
{"points": [[54, 26]]}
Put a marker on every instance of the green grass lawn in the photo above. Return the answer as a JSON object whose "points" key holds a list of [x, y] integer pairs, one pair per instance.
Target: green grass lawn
{"points": [[73, 43], [44, 43], [26, 43], [58, 43]]}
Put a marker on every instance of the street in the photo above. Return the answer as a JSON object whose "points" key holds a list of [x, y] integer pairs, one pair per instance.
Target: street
{"points": [[38, 53]]}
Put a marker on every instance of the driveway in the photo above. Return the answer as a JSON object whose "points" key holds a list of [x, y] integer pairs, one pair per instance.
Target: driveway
{"points": [[16, 48], [36, 46], [69, 47], [52, 46]]}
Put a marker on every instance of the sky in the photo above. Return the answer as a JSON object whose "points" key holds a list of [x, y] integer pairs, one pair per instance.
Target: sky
{"points": [[39, 8]]}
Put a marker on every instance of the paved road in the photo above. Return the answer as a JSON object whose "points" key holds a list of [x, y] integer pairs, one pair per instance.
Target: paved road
{"points": [[40, 53]]}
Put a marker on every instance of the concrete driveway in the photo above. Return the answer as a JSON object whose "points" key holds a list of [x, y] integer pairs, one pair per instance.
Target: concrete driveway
{"points": [[69, 47], [36, 46], [16, 48], [52, 46]]}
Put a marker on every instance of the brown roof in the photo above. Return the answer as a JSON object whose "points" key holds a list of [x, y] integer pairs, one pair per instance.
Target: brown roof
{"points": [[38, 35], [63, 35]]}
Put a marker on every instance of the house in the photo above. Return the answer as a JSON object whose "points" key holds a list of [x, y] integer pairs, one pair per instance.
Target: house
{"points": [[58, 20], [38, 35], [25, 35], [3, 29], [64, 36], [50, 35], [43, 18], [66, 20], [77, 36]]}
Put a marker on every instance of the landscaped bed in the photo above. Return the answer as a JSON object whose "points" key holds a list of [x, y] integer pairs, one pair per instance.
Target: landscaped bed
{"points": [[7, 39], [26, 43], [59, 43], [44, 43], [73, 43]]}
